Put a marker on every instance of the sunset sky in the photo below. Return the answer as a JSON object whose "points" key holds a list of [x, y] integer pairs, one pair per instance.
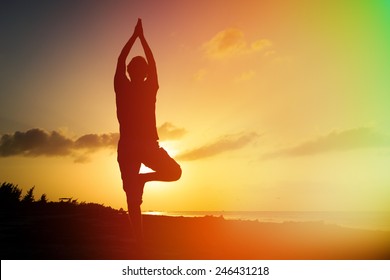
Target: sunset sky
{"points": [[267, 105]]}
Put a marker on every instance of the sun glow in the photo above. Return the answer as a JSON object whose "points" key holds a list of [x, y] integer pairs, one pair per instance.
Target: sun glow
{"points": [[170, 147]]}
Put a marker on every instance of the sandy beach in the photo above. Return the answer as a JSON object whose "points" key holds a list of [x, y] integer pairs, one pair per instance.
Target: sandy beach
{"points": [[95, 232]]}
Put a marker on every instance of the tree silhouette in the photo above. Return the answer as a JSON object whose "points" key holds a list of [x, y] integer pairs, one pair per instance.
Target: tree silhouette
{"points": [[29, 197], [9, 195], [43, 199]]}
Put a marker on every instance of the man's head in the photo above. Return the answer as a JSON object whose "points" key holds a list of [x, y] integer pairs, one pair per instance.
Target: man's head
{"points": [[138, 69]]}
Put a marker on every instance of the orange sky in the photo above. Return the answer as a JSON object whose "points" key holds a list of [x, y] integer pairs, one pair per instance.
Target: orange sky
{"points": [[266, 106]]}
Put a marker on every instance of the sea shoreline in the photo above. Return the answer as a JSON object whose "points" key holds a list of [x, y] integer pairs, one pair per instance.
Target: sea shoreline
{"points": [[361, 220], [93, 232]]}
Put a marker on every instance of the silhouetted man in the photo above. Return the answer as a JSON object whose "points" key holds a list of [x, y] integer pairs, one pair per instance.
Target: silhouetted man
{"points": [[138, 143]]}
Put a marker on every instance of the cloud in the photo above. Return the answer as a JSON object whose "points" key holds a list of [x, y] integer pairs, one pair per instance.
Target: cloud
{"points": [[231, 42], [221, 145], [260, 45], [35, 142], [168, 131], [38, 142], [95, 141], [350, 139], [200, 75], [245, 76]]}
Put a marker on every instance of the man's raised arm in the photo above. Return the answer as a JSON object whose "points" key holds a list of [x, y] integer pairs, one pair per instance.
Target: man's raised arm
{"points": [[120, 73], [149, 57]]}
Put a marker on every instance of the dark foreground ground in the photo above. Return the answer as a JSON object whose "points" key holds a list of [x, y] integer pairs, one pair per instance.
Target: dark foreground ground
{"points": [[61, 231]]}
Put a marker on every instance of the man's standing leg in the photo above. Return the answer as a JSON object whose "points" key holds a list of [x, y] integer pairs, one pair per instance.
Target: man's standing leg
{"points": [[134, 201], [134, 191]]}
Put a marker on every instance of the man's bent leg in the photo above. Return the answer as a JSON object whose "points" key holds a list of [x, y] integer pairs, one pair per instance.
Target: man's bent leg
{"points": [[166, 168]]}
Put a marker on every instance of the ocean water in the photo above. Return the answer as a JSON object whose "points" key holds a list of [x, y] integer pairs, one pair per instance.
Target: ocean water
{"points": [[356, 220]]}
